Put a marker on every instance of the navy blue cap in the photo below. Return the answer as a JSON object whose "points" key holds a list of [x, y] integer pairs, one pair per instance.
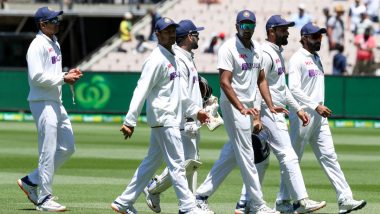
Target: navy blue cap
{"points": [[278, 21], [186, 27], [45, 13], [310, 28], [163, 23], [245, 15]]}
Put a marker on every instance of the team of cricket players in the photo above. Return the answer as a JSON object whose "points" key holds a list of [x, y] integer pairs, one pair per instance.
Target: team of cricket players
{"points": [[253, 101]]}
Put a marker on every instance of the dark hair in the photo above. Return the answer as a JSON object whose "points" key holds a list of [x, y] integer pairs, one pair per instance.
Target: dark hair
{"points": [[339, 47], [179, 40]]}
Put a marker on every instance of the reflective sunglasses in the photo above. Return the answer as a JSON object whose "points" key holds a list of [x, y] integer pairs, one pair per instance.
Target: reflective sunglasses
{"points": [[247, 26], [196, 35], [54, 21]]}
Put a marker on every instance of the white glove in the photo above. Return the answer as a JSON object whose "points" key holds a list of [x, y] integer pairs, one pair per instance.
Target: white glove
{"points": [[191, 129], [211, 107]]}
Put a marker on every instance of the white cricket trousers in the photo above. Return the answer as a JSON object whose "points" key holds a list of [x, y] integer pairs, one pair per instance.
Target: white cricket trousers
{"points": [[237, 151], [261, 169], [190, 149], [279, 141], [165, 144], [55, 143], [318, 135], [281, 146]]}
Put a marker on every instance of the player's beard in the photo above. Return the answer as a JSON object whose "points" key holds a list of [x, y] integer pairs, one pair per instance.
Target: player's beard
{"points": [[281, 41], [194, 45], [314, 45]]}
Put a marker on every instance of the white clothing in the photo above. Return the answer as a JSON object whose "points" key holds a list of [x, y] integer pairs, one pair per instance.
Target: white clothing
{"points": [[55, 136], [306, 82], [159, 86], [55, 143], [45, 75], [189, 79], [165, 144], [189, 88], [274, 68], [245, 65], [279, 140], [354, 14]]}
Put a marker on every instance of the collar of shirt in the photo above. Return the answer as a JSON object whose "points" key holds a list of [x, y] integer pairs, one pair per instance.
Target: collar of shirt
{"points": [[165, 51], [274, 46], [46, 37], [306, 52], [189, 55], [239, 44]]}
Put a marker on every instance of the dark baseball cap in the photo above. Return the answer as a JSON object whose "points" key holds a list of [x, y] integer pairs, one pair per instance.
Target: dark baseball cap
{"points": [[278, 21], [163, 23], [310, 28], [245, 15], [185, 27], [45, 13]]}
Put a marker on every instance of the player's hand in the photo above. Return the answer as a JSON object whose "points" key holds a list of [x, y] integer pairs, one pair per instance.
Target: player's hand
{"points": [[203, 116], [276, 109], [72, 76], [249, 111], [304, 117], [323, 111], [127, 131], [257, 125]]}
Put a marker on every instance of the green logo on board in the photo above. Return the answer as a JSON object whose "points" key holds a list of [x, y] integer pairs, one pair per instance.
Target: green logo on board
{"points": [[93, 95]]}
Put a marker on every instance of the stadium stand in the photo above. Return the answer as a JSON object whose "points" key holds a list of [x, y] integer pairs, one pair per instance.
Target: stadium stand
{"points": [[218, 18]]}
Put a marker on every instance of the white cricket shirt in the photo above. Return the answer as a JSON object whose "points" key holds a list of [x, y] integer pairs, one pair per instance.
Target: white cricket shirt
{"points": [[306, 79], [45, 75], [159, 84], [245, 65], [274, 68], [189, 77]]}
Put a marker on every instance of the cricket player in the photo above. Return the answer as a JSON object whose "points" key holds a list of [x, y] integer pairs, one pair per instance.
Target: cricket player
{"points": [[160, 85], [240, 70], [279, 140], [187, 37], [55, 134], [306, 82]]}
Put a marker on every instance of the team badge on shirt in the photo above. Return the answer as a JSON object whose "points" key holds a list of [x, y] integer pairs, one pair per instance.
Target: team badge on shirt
{"points": [[174, 75]]}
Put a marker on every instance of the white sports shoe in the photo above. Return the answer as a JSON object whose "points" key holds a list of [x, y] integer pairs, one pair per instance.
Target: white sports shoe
{"points": [[50, 205], [123, 209], [349, 205], [28, 189], [242, 208], [195, 210], [284, 206], [265, 210], [152, 200], [307, 206], [202, 204]]}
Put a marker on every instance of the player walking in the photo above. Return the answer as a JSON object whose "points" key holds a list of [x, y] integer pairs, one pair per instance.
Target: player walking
{"points": [[55, 134], [306, 82], [240, 69], [160, 85], [187, 37], [279, 140]]}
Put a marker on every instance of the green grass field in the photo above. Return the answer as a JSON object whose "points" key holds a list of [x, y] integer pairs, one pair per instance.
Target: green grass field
{"points": [[104, 163]]}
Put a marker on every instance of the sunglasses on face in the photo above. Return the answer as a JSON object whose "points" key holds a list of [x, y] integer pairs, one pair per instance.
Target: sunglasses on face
{"points": [[247, 26], [54, 21], [196, 35]]}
